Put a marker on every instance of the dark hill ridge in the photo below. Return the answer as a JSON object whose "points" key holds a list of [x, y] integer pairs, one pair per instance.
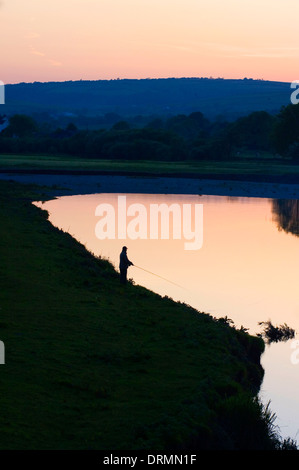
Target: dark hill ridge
{"points": [[128, 97]]}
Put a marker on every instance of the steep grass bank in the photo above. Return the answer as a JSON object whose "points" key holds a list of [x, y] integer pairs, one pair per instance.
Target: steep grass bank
{"points": [[91, 364]]}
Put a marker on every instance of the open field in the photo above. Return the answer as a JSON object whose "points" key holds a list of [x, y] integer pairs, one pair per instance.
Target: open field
{"points": [[265, 167]]}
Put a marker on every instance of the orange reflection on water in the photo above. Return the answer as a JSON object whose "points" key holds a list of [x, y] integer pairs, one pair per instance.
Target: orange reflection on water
{"points": [[246, 269]]}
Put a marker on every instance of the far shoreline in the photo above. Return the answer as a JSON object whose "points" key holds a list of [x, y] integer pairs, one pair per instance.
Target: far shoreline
{"points": [[74, 182]]}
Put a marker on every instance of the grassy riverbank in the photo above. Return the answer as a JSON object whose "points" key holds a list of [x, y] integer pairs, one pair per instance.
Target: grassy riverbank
{"points": [[91, 364], [247, 167]]}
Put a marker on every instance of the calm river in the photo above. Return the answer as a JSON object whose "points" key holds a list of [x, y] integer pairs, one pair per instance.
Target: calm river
{"points": [[246, 269]]}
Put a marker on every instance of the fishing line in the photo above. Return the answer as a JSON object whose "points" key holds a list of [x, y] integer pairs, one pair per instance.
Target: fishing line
{"points": [[158, 276]]}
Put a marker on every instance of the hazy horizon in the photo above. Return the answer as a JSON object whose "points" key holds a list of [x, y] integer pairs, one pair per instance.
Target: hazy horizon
{"points": [[147, 78]]}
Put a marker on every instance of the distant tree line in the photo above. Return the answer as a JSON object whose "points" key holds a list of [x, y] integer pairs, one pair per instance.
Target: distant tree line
{"points": [[177, 138]]}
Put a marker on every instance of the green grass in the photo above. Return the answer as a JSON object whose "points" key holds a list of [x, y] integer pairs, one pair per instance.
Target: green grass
{"points": [[92, 364], [247, 164]]}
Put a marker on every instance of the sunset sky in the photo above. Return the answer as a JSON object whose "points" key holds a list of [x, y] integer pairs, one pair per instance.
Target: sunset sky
{"points": [[102, 39]]}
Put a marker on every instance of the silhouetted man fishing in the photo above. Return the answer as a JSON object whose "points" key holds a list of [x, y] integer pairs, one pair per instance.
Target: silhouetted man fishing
{"points": [[124, 263]]}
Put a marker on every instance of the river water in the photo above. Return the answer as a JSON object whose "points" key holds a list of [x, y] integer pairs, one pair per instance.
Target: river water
{"points": [[243, 265]]}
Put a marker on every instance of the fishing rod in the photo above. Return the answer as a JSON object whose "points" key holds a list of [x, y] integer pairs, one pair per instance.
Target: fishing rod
{"points": [[158, 276]]}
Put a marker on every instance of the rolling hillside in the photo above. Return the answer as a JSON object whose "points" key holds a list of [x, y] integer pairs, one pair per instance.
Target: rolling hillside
{"points": [[147, 97]]}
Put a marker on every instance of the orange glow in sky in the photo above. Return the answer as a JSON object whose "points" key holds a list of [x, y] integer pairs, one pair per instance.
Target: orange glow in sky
{"points": [[61, 40]]}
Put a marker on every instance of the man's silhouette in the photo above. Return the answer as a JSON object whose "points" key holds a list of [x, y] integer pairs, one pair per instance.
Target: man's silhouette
{"points": [[124, 263]]}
